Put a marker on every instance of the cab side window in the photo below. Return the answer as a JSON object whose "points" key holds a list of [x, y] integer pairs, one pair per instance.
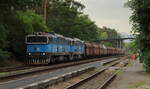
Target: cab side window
{"points": [[50, 40]]}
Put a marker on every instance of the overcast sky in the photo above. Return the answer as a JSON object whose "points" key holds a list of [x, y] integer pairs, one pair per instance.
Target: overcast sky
{"points": [[110, 13]]}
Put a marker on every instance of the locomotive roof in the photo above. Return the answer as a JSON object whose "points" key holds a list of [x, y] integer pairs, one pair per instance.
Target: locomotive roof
{"points": [[40, 35], [55, 35], [58, 35], [77, 39], [67, 38]]}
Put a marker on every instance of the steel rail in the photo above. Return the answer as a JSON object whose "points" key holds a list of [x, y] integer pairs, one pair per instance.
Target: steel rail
{"points": [[85, 80], [108, 81], [74, 86]]}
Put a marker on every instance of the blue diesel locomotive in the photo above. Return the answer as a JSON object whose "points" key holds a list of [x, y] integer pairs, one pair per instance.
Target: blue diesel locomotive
{"points": [[45, 48]]}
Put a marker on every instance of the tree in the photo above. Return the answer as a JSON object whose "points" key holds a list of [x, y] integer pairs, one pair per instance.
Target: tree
{"points": [[4, 54], [23, 23], [107, 33], [20, 4], [141, 28], [65, 17], [85, 29], [16, 21], [132, 46]]}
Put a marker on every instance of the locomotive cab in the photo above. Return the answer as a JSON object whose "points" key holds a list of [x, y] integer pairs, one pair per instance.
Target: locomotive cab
{"points": [[38, 48]]}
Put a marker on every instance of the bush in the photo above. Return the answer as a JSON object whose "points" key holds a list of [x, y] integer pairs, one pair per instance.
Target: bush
{"points": [[4, 55], [145, 56]]}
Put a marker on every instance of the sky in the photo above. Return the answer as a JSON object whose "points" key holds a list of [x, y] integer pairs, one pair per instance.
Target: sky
{"points": [[109, 13]]}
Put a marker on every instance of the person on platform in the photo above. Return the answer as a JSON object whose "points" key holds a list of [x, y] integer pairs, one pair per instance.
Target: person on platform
{"points": [[133, 56]]}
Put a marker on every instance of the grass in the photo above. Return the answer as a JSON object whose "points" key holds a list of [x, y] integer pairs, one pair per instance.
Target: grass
{"points": [[137, 85], [130, 63], [140, 85], [7, 73], [120, 72], [98, 69], [2, 74]]}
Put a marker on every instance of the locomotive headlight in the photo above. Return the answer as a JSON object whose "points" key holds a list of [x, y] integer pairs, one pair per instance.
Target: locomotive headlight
{"points": [[29, 53], [43, 53]]}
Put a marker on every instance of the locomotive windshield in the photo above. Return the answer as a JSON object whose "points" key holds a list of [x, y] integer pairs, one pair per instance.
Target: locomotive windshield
{"points": [[36, 39]]}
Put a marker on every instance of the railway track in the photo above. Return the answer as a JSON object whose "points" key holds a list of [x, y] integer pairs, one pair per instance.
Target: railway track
{"points": [[97, 80], [91, 82], [43, 69], [11, 69], [32, 66], [108, 81]]}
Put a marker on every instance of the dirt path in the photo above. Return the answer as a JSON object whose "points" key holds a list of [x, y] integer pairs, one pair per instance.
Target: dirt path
{"points": [[132, 78]]}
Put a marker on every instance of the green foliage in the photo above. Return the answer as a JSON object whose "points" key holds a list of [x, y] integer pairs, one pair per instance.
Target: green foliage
{"points": [[32, 22], [23, 24], [107, 33], [84, 28], [3, 37], [20, 4], [3, 43], [132, 46], [145, 57], [66, 18], [14, 26], [16, 20], [141, 27], [104, 35]]}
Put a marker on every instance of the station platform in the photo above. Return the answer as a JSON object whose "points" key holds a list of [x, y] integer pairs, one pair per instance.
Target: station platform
{"points": [[133, 77]]}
